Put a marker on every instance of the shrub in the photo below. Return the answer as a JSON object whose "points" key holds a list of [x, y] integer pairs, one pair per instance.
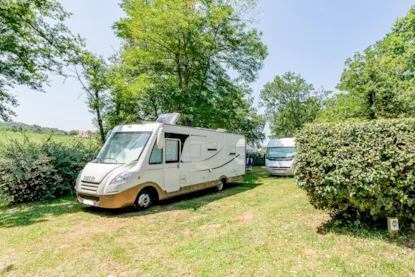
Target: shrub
{"points": [[258, 159], [359, 169], [31, 171]]}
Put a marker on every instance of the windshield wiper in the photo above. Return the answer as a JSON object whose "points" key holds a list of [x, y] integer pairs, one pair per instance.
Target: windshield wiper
{"points": [[279, 159], [111, 159]]}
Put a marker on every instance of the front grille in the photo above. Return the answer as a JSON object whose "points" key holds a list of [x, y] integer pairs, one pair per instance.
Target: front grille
{"points": [[89, 187]]}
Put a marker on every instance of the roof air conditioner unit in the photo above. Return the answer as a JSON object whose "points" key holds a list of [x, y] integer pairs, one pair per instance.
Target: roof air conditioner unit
{"points": [[168, 118]]}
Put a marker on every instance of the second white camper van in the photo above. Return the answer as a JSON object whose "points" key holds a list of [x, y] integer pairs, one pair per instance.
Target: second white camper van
{"points": [[140, 164], [279, 159]]}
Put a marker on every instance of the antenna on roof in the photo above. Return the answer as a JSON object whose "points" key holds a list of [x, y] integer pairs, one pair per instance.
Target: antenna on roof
{"points": [[168, 118]]}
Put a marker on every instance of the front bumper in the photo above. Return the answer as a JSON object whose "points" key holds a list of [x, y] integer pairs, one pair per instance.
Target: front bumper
{"points": [[114, 201], [278, 171]]}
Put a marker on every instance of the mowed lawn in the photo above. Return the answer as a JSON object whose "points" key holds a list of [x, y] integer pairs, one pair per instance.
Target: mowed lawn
{"points": [[263, 226]]}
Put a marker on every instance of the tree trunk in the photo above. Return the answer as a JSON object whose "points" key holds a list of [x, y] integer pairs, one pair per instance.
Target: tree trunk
{"points": [[371, 102], [99, 118]]}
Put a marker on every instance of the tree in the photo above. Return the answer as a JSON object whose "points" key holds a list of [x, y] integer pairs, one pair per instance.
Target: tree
{"points": [[379, 82], [340, 107], [290, 102], [93, 74], [177, 56], [73, 133], [33, 42]]}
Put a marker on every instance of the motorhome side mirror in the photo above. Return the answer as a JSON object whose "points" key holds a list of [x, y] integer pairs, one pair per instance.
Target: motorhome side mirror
{"points": [[160, 139]]}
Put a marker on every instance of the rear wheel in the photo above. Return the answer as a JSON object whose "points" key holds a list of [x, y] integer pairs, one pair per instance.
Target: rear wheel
{"points": [[221, 185], [144, 200]]}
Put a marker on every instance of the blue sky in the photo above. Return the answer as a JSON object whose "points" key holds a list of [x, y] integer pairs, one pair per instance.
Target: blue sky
{"points": [[312, 38]]}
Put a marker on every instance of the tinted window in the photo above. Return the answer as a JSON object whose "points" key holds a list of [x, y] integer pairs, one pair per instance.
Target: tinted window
{"points": [[156, 155], [172, 151]]}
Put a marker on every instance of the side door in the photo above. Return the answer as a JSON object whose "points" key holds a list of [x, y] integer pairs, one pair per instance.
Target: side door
{"points": [[171, 169]]}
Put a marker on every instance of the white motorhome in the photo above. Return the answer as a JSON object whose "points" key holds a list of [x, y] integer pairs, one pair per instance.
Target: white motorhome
{"points": [[141, 164], [279, 159]]}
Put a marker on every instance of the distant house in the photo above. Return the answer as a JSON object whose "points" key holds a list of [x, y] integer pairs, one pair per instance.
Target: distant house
{"points": [[84, 134]]}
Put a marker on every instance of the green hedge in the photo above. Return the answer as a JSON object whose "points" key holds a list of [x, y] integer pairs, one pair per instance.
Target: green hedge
{"points": [[39, 171], [359, 169], [258, 159]]}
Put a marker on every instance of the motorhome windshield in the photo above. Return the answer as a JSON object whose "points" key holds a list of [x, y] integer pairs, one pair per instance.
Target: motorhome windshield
{"points": [[280, 153], [123, 147]]}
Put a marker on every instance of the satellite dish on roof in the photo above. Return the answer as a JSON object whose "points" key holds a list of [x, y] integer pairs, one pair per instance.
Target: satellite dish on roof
{"points": [[168, 118]]}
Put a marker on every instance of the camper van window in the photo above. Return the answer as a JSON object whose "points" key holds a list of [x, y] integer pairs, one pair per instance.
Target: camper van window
{"points": [[123, 147], [156, 156], [280, 153], [172, 151]]}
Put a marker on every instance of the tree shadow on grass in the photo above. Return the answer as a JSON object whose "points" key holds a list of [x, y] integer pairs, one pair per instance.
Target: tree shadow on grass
{"points": [[371, 230], [38, 212]]}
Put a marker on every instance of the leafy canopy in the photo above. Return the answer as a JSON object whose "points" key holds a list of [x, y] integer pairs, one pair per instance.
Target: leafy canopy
{"points": [[192, 57], [290, 102], [379, 82], [33, 42], [92, 72]]}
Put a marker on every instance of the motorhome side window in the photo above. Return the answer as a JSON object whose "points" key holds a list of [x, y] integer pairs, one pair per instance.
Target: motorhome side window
{"points": [[172, 151], [156, 156]]}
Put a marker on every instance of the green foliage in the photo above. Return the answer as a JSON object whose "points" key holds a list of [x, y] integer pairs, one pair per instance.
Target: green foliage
{"points": [[379, 82], [290, 102], [182, 64], [359, 170], [33, 42], [93, 74], [22, 127], [340, 107], [258, 158], [31, 171]]}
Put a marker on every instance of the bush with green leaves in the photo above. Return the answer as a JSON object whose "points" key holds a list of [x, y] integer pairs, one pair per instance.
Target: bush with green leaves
{"points": [[258, 159], [359, 170], [32, 171]]}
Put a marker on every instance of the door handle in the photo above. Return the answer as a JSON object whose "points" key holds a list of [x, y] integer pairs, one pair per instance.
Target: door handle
{"points": [[178, 165]]}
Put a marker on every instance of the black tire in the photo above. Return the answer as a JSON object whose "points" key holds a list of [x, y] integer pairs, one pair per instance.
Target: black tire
{"points": [[221, 185], [144, 200]]}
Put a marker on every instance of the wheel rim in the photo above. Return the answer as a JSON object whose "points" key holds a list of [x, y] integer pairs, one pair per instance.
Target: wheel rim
{"points": [[220, 185], [144, 200]]}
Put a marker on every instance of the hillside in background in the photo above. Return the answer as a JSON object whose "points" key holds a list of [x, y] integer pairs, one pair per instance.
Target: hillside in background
{"points": [[22, 127]]}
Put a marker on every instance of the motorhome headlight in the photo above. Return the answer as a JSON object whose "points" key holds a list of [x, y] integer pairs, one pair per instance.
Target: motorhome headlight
{"points": [[121, 178]]}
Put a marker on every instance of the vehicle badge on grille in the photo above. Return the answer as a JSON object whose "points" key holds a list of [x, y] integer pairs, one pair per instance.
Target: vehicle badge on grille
{"points": [[89, 178]]}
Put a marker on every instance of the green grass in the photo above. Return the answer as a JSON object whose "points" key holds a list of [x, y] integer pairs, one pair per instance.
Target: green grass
{"points": [[6, 136], [262, 227]]}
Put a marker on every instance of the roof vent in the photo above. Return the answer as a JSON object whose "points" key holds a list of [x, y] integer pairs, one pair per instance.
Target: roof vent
{"points": [[168, 118]]}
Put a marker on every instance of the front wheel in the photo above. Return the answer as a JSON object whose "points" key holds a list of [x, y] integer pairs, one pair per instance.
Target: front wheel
{"points": [[143, 201]]}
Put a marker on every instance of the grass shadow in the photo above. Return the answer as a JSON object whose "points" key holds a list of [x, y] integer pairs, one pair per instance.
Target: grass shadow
{"points": [[370, 229], [37, 212], [193, 201]]}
